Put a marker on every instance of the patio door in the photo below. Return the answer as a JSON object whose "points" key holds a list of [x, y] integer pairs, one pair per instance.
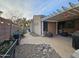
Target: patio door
{"points": [[60, 27], [66, 26], [45, 26]]}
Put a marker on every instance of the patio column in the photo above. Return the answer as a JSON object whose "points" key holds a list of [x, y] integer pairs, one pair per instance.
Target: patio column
{"points": [[42, 28], [56, 27]]}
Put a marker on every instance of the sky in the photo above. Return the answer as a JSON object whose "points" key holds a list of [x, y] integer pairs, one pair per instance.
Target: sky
{"points": [[28, 8]]}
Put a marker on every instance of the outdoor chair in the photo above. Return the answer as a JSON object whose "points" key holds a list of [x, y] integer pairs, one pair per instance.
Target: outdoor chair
{"points": [[49, 34]]}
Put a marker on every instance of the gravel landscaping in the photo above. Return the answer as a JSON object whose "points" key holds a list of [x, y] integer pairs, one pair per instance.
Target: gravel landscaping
{"points": [[35, 51]]}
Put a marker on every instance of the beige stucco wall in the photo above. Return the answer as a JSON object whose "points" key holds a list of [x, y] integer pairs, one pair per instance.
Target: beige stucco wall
{"points": [[52, 27], [37, 24]]}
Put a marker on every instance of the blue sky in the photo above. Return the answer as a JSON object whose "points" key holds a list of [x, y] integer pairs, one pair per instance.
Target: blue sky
{"points": [[28, 8]]}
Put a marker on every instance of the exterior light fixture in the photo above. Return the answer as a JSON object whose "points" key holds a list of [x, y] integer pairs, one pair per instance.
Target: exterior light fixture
{"points": [[2, 22]]}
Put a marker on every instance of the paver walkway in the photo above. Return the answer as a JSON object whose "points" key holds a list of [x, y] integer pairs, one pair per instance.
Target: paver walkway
{"points": [[29, 39], [62, 45], [35, 47]]}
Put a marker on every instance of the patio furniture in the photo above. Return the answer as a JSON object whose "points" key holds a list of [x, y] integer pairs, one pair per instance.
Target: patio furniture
{"points": [[49, 34], [64, 34], [45, 33], [75, 41]]}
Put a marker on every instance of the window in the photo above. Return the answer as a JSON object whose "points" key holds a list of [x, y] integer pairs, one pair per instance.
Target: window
{"points": [[45, 26], [69, 24]]}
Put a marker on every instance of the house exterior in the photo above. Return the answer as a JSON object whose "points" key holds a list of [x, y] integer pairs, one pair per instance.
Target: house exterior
{"points": [[66, 21]]}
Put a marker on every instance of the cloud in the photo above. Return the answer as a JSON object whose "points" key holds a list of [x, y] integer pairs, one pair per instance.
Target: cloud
{"points": [[28, 8]]}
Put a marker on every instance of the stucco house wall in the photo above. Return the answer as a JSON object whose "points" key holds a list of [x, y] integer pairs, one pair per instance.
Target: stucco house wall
{"points": [[37, 25], [52, 27]]}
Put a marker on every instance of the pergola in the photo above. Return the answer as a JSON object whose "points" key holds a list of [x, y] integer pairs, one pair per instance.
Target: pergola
{"points": [[69, 14]]}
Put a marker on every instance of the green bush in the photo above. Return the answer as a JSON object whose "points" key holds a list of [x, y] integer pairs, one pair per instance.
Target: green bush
{"points": [[5, 45]]}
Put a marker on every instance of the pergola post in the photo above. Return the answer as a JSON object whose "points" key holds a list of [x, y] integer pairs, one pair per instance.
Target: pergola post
{"points": [[42, 28], [56, 28]]}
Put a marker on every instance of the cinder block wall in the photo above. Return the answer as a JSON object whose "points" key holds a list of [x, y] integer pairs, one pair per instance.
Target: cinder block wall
{"points": [[4, 29], [37, 24]]}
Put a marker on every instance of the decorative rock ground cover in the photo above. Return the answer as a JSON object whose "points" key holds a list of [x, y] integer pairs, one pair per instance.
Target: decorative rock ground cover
{"points": [[4, 46], [35, 51]]}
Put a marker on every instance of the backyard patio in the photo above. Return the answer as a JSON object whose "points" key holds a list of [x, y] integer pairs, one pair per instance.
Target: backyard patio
{"points": [[60, 46]]}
